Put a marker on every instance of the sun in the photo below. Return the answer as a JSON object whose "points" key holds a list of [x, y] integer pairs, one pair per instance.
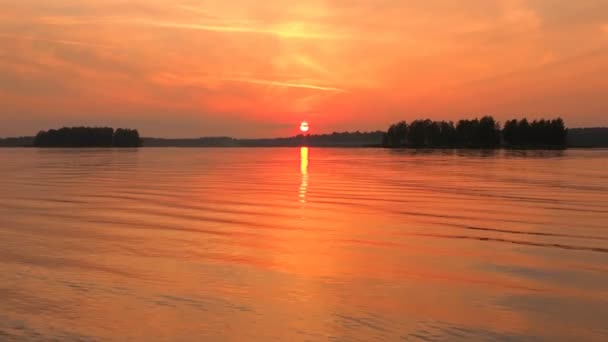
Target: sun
{"points": [[304, 126]]}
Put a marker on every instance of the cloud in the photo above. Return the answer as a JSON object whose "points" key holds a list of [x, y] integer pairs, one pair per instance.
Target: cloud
{"points": [[293, 30], [288, 84], [212, 81], [56, 41], [195, 10]]}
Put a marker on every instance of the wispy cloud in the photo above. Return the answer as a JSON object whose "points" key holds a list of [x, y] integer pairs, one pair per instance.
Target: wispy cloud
{"points": [[56, 41], [288, 84], [206, 80], [194, 10], [300, 31]]}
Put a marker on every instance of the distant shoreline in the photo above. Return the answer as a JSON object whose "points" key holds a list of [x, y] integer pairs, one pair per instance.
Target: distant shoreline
{"points": [[546, 148], [378, 146]]}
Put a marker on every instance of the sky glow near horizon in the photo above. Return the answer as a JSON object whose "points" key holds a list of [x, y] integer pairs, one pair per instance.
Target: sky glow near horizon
{"points": [[250, 68]]}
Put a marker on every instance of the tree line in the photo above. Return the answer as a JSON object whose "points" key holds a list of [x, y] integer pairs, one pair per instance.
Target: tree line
{"points": [[88, 137], [541, 132], [477, 133]]}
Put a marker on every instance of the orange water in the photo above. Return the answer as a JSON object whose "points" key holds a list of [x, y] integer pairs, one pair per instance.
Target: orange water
{"points": [[303, 244]]}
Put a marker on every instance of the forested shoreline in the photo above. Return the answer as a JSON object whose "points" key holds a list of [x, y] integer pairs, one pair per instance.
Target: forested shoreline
{"points": [[477, 133]]}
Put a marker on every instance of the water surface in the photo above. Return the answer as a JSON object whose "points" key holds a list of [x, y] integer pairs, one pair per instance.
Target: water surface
{"points": [[303, 244]]}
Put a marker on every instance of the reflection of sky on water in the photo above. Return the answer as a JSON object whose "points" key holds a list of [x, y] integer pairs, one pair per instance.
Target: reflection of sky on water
{"points": [[380, 245]]}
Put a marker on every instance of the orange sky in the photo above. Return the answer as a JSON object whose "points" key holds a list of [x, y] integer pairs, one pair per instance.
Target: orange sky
{"points": [[251, 68]]}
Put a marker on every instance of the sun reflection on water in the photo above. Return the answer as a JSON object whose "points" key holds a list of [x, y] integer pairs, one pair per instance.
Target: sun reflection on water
{"points": [[304, 173]]}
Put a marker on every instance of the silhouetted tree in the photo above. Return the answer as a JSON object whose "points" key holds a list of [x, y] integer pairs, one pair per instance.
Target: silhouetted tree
{"points": [[509, 132], [523, 132], [448, 134], [488, 133], [418, 133], [558, 132], [467, 133], [396, 136], [126, 138]]}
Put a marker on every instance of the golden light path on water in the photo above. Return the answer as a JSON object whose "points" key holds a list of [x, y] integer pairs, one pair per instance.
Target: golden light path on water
{"points": [[304, 173]]}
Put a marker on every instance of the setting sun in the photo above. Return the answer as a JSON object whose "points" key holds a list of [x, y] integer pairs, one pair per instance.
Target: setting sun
{"points": [[304, 126]]}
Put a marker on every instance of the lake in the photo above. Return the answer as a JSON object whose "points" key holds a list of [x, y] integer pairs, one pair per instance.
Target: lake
{"points": [[303, 244]]}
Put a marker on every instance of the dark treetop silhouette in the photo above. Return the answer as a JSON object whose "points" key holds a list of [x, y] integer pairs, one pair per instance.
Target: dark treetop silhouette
{"points": [[88, 137], [477, 133]]}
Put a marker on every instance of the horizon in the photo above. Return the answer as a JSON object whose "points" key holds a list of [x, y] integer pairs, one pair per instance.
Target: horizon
{"points": [[144, 136], [250, 69], [293, 134]]}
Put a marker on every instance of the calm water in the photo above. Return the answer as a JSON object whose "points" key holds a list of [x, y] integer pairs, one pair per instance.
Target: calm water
{"points": [[303, 244]]}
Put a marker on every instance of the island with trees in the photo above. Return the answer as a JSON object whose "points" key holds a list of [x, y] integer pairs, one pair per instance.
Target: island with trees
{"points": [[88, 137], [477, 133]]}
